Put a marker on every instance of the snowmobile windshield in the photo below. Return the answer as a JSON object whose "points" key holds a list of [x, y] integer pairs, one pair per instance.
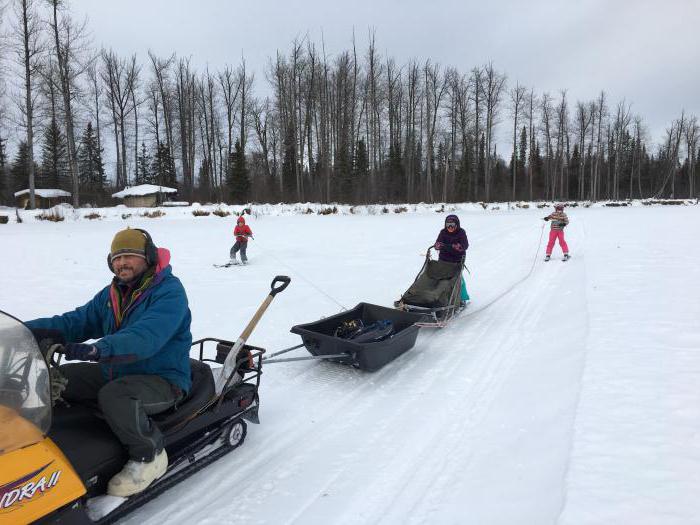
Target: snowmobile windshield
{"points": [[25, 399]]}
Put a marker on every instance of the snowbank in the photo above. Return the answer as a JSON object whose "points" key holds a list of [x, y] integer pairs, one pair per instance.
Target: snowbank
{"points": [[215, 211]]}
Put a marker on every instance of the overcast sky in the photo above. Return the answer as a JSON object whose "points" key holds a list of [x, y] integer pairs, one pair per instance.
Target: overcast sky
{"points": [[646, 52]]}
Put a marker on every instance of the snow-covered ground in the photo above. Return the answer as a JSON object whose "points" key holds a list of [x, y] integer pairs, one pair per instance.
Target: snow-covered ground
{"points": [[567, 393]]}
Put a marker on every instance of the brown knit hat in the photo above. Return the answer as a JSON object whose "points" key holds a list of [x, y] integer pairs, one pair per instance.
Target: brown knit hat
{"points": [[128, 242]]}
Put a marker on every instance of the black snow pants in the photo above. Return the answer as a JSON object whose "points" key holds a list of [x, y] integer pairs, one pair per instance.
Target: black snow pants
{"points": [[242, 246], [126, 403]]}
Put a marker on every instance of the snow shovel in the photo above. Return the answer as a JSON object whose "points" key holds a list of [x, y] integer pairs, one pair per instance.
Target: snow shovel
{"points": [[228, 370]]}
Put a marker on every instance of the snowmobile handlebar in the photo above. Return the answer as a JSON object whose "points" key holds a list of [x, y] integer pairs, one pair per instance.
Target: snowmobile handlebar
{"points": [[53, 355], [283, 279]]}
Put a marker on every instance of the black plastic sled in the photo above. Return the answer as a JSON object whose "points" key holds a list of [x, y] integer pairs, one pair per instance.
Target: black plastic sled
{"points": [[321, 341], [435, 292]]}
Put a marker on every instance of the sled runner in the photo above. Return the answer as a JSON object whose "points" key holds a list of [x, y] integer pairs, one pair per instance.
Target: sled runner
{"points": [[370, 350], [435, 292], [56, 461]]}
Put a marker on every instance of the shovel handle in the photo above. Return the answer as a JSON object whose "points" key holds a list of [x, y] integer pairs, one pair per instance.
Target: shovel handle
{"points": [[284, 282]]}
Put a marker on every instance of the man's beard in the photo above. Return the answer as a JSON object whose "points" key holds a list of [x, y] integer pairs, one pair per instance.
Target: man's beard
{"points": [[136, 277]]}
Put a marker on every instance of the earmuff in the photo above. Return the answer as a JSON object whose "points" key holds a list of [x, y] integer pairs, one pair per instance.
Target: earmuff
{"points": [[151, 251]]}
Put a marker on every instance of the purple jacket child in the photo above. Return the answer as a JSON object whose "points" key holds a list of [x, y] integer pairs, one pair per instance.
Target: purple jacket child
{"points": [[452, 241]]}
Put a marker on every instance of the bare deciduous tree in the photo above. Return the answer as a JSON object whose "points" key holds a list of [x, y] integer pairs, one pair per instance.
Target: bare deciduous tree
{"points": [[119, 76], [28, 47], [517, 99]]}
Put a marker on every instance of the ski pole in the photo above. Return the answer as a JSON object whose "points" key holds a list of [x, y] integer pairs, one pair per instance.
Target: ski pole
{"points": [[229, 367]]}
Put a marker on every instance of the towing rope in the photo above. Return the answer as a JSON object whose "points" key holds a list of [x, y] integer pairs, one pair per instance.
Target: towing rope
{"points": [[299, 274], [511, 287]]}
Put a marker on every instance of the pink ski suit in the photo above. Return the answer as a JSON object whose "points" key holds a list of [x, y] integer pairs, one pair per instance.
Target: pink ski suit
{"points": [[559, 220]]}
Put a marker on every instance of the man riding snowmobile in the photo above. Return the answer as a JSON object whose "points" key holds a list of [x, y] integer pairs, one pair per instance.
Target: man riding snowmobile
{"points": [[140, 361]]}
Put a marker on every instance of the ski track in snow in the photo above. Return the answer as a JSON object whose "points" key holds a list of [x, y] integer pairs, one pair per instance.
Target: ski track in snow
{"points": [[544, 402]]}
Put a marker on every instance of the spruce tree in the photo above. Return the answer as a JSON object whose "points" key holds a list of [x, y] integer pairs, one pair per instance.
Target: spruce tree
{"points": [[395, 174], [19, 175], [462, 179], [163, 167], [54, 159], [360, 167], [144, 174], [288, 168], [237, 176], [90, 163], [522, 156], [342, 173]]}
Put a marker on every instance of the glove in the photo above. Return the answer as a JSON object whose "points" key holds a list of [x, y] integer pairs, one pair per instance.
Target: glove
{"points": [[457, 247], [546, 218], [81, 352], [438, 245]]}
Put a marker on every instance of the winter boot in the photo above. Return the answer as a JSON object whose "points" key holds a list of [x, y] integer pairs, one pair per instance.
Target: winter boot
{"points": [[566, 257], [233, 260], [137, 476], [546, 258]]}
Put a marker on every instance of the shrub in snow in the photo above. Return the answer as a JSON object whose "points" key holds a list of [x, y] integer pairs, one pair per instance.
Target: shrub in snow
{"points": [[400, 209], [93, 215], [385, 210], [328, 211], [153, 214], [665, 202], [4, 219], [53, 216], [200, 213], [126, 215], [221, 213]]}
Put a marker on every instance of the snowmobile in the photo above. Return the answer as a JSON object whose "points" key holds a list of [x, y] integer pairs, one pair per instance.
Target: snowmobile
{"points": [[56, 460], [435, 292]]}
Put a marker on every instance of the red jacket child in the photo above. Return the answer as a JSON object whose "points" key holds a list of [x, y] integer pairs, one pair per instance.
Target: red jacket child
{"points": [[242, 231]]}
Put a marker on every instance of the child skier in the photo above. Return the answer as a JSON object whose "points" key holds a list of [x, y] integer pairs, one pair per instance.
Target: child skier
{"points": [[242, 232], [452, 243], [556, 232]]}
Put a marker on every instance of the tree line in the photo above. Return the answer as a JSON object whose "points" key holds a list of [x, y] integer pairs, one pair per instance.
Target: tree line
{"points": [[352, 127]]}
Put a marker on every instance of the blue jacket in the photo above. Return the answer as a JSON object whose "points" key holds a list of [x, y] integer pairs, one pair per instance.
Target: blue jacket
{"points": [[154, 337]]}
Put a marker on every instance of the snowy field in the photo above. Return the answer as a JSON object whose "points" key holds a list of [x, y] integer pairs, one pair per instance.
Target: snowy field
{"points": [[567, 393]]}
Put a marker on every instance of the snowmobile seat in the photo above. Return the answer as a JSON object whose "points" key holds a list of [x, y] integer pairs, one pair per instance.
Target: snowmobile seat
{"points": [[91, 446], [202, 391]]}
